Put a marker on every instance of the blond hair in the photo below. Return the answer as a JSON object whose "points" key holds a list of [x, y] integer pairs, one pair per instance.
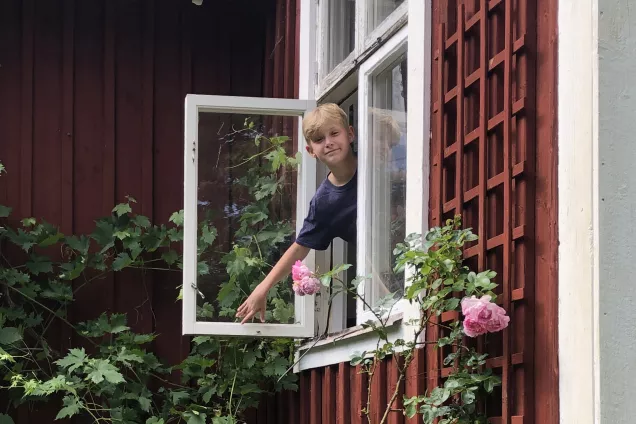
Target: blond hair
{"points": [[385, 126], [325, 113]]}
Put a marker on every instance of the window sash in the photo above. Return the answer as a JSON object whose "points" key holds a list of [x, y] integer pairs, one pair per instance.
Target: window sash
{"points": [[391, 51], [304, 306], [418, 140], [365, 44]]}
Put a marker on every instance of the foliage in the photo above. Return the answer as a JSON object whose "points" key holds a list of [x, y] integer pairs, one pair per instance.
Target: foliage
{"points": [[113, 376], [438, 280]]}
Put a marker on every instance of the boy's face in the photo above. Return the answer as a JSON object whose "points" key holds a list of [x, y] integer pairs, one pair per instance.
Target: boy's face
{"points": [[332, 144]]}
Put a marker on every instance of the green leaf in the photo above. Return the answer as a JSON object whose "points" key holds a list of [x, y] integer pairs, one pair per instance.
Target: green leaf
{"points": [[104, 370], [126, 357], [207, 396], [170, 257], [177, 218], [39, 264], [142, 221], [52, 239], [179, 396], [71, 407], [122, 261], [283, 311], [145, 403], [203, 268], [468, 397], [6, 419], [58, 291], [249, 359], [28, 222], [80, 244], [276, 367], [118, 323], [489, 385], [208, 234], [122, 209], [9, 335], [154, 420], [195, 417], [5, 211], [73, 360], [103, 234], [135, 250]]}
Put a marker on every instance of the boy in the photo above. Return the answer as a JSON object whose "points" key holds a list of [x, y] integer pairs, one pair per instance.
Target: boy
{"points": [[333, 209]]}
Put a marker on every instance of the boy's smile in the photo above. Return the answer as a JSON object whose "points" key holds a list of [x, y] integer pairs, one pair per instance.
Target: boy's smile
{"points": [[332, 145]]}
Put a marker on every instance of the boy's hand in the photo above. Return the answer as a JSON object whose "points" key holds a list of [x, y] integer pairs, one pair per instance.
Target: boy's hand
{"points": [[254, 304]]}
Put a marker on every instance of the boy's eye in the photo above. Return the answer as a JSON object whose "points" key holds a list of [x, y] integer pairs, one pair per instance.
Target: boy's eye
{"points": [[335, 133]]}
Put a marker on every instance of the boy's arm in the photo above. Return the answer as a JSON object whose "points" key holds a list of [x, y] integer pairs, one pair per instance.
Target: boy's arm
{"points": [[255, 303]]}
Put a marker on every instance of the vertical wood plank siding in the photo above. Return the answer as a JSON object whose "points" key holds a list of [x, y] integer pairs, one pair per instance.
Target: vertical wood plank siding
{"points": [[91, 111]]}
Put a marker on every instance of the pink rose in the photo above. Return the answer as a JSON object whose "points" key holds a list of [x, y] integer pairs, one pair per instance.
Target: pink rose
{"points": [[310, 285], [498, 321], [300, 271], [482, 316], [297, 289], [473, 328]]}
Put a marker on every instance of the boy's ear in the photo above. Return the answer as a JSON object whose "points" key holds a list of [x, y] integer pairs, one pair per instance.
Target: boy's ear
{"points": [[352, 133], [310, 150]]}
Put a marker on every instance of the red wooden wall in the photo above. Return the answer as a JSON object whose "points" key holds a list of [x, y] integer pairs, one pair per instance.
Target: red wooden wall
{"points": [[91, 110]]}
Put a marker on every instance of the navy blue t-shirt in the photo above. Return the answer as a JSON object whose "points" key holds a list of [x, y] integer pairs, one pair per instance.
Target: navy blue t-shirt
{"points": [[332, 213]]}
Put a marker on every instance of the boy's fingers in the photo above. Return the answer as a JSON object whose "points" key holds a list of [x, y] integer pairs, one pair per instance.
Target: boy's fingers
{"points": [[262, 315], [248, 317]]}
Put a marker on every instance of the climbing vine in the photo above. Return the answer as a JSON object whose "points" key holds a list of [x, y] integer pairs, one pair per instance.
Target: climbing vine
{"points": [[112, 375]]}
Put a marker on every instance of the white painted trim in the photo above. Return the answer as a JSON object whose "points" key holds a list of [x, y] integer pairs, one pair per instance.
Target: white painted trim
{"points": [[307, 49], [365, 45], [257, 329], [578, 323], [190, 188], [388, 26], [389, 52], [304, 306], [418, 116], [243, 105], [336, 351]]}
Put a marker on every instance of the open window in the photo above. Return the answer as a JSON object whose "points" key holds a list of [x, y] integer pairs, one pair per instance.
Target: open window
{"points": [[383, 84], [365, 57], [214, 126]]}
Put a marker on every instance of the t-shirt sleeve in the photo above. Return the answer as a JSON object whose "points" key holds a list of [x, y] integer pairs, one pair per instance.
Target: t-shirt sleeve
{"points": [[314, 234]]}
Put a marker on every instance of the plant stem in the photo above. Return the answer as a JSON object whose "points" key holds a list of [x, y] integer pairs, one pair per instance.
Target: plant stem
{"points": [[64, 320]]}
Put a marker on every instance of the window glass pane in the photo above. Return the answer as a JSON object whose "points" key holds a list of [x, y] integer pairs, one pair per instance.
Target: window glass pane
{"points": [[250, 202], [387, 119], [379, 10], [339, 31]]}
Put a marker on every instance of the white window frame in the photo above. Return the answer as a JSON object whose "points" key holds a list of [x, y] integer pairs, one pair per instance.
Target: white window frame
{"points": [[338, 347], [394, 48], [365, 44], [304, 305]]}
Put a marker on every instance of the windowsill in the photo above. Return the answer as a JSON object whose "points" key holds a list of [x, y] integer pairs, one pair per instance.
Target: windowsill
{"points": [[338, 347], [356, 331]]}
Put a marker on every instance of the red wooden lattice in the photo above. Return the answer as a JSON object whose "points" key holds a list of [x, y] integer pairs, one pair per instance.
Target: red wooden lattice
{"points": [[482, 162]]}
